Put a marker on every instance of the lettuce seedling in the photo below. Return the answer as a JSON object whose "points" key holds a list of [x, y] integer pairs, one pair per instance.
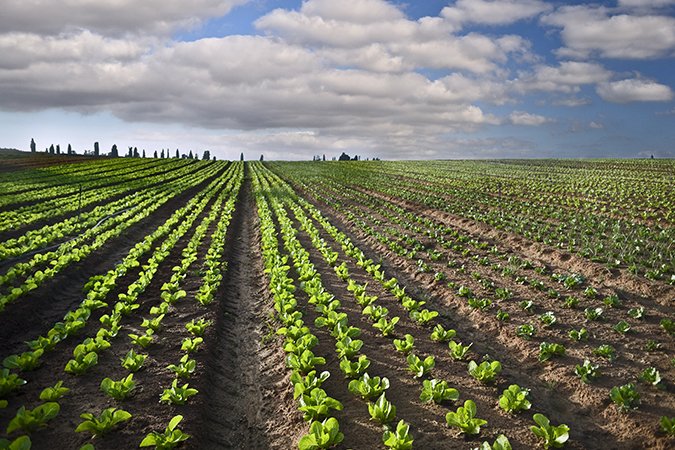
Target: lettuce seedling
{"points": [[502, 316], [587, 371], [622, 327], [668, 326], [548, 350], [190, 345], [119, 390], [104, 423], [405, 345], [305, 384], [548, 318], [197, 328], [305, 362], [486, 371], [52, 394], [80, 365], [356, 368], [169, 439], [28, 420], [184, 368], [399, 439], [458, 351], [514, 399], [322, 435], [177, 395], [368, 388], [142, 340], [606, 351], [153, 324], [552, 436], [25, 361], [465, 419], [651, 376], [668, 425], [626, 397], [437, 391], [420, 367], [9, 382], [375, 312], [317, 404], [424, 316], [578, 335], [348, 347], [385, 326], [440, 334], [593, 313], [525, 331], [133, 361], [501, 443], [382, 411], [637, 313]]}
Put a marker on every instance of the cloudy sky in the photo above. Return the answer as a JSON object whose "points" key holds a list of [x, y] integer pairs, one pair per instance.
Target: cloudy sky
{"points": [[292, 79]]}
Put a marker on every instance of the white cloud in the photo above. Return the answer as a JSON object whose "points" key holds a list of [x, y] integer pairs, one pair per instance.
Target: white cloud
{"points": [[525, 118], [645, 4], [116, 17], [589, 30], [572, 102], [634, 90], [493, 12], [567, 77], [596, 125]]}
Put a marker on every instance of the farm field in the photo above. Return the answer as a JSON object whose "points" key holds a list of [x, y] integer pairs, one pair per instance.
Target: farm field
{"points": [[364, 305]]}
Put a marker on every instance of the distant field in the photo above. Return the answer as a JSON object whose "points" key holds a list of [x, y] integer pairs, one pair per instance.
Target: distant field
{"points": [[255, 300]]}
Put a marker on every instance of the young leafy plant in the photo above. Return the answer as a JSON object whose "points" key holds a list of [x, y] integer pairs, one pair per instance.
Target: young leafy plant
{"points": [[440, 334], [626, 397], [651, 376], [382, 411], [54, 393], [622, 327], [119, 390], [547, 350], [578, 335], [177, 395], [525, 331], [437, 391], [420, 367], [501, 443], [514, 399], [305, 384], [348, 347], [104, 423], [133, 361], [142, 340], [170, 438], [465, 419], [386, 326], [424, 316], [9, 382], [458, 351], [197, 328], [606, 351], [405, 345], [20, 443], [190, 345], [184, 368], [667, 425], [322, 435], [28, 420], [368, 388], [305, 362], [25, 361], [317, 404], [551, 436], [400, 438], [486, 371], [354, 369], [587, 371], [80, 365]]}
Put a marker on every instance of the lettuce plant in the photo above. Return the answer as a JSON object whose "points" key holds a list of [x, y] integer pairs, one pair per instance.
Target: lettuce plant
{"points": [[440, 334], [651, 376], [420, 367], [578, 335], [626, 397], [548, 350], [82, 364], [424, 316], [548, 318], [525, 331], [54, 393], [385, 326], [382, 411], [437, 391], [20, 443], [170, 438], [486, 371], [133, 361], [177, 395], [501, 443], [305, 384], [405, 345], [104, 423], [317, 404], [190, 345], [458, 351], [348, 347], [322, 435], [142, 340], [28, 420], [305, 362], [667, 425], [622, 327], [119, 390], [9, 382], [606, 351], [367, 387], [197, 328], [25, 361], [551, 436], [514, 399], [465, 418], [354, 369], [587, 371], [184, 368], [400, 438]]}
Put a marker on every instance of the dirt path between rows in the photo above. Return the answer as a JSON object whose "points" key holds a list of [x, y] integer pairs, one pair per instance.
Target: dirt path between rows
{"points": [[248, 403]]}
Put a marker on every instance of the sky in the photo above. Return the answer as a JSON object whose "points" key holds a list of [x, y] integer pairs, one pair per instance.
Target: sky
{"points": [[409, 79]]}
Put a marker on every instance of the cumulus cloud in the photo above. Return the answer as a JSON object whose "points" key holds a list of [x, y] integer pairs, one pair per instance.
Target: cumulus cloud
{"points": [[634, 90], [566, 77], [525, 118], [493, 12], [590, 30], [648, 4]]}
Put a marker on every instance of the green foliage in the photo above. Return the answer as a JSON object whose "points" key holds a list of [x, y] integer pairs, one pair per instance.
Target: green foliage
{"points": [[82, 364], [305, 362], [119, 390], [20, 443], [651, 376], [347, 347], [587, 371], [405, 345], [104, 423], [382, 411], [354, 369], [317, 404], [548, 318], [184, 368], [668, 326], [622, 327], [626, 397], [593, 313], [170, 438], [486, 371], [197, 328], [637, 312], [9, 382], [514, 399], [440, 334], [551, 436], [54, 393], [606, 351], [133, 361], [458, 351], [190, 345], [385, 326], [667, 425], [305, 384], [526, 331], [437, 391], [465, 419], [501, 443], [578, 335], [424, 316], [547, 350], [177, 395], [24, 362], [368, 388], [28, 420], [419, 367], [322, 435], [399, 439], [142, 340]]}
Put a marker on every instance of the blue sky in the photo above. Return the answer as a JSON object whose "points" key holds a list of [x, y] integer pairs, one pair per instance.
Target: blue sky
{"points": [[294, 79]]}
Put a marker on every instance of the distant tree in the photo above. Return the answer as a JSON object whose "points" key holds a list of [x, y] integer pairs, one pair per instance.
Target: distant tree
{"points": [[214, 158], [355, 158], [143, 153], [96, 152], [32, 145], [51, 149], [323, 158], [113, 151], [70, 149], [241, 157], [136, 154], [207, 155], [261, 157], [155, 154], [191, 156], [162, 154], [58, 149], [177, 154], [344, 157]]}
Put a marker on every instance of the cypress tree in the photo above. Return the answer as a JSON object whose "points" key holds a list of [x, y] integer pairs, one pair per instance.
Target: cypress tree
{"points": [[32, 145], [96, 152]]}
